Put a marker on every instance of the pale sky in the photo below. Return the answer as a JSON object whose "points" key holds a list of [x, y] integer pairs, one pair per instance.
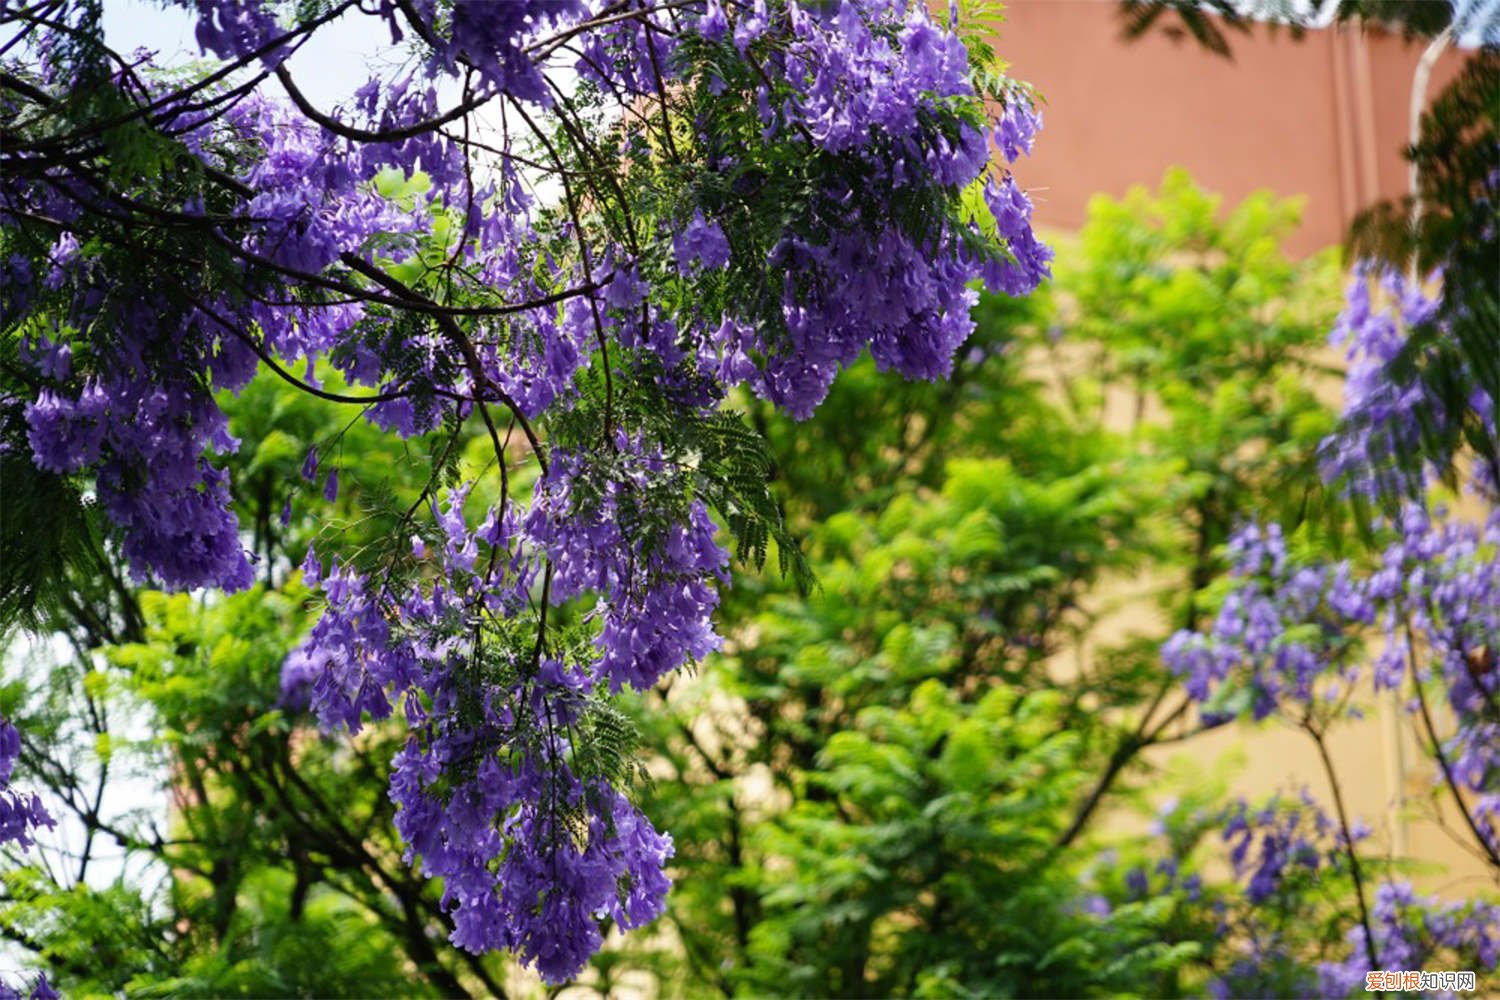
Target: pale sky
{"points": [[333, 63]]}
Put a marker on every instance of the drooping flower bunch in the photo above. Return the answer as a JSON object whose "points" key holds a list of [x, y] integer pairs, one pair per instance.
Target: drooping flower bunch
{"points": [[678, 199], [882, 96], [1264, 842], [1389, 416], [21, 813]]}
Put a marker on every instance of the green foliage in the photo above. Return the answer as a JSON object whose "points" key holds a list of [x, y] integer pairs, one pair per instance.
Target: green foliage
{"points": [[40, 568], [920, 875], [888, 787], [923, 753], [1195, 320]]}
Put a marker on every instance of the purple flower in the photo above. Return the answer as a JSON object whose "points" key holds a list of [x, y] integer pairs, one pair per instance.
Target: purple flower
{"points": [[713, 25], [1016, 131], [1383, 413], [702, 242], [21, 814]]}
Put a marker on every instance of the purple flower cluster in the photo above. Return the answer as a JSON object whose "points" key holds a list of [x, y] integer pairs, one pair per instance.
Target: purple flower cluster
{"points": [[490, 38], [910, 307], [1289, 634], [1016, 131], [490, 792], [531, 856], [1438, 582], [877, 84], [871, 284], [1383, 414], [1270, 847], [40, 990], [859, 89], [227, 28], [1282, 852], [145, 432], [904, 298], [701, 244], [1412, 932], [1286, 630], [21, 814], [658, 593], [1164, 877], [1267, 842]]}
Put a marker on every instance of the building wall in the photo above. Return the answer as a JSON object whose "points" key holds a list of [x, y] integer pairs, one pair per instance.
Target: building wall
{"points": [[1325, 116]]}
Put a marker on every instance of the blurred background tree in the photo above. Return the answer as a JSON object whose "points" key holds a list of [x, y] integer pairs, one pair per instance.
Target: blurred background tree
{"points": [[889, 788], [1446, 225]]}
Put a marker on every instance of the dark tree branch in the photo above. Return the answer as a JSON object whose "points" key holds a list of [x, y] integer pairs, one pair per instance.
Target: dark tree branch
{"points": [[1346, 833], [1442, 758]]}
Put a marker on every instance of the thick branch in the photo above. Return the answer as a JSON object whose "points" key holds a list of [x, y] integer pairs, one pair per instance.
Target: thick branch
{"points": [[367, 135]]}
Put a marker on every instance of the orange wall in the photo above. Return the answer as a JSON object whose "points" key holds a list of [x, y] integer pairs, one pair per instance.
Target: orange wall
{"points": [[1325, 116]]}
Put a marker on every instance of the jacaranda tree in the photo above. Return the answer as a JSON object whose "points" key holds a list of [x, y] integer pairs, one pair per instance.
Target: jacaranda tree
{"points": [[574, 227], [1301, 637], [1308, 623]]}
